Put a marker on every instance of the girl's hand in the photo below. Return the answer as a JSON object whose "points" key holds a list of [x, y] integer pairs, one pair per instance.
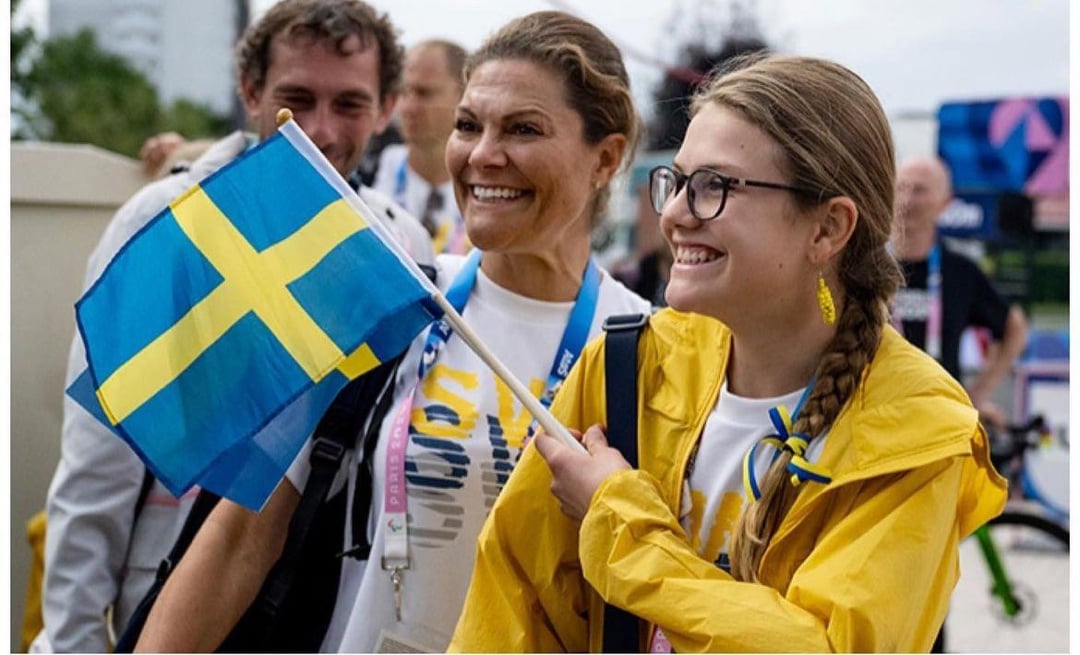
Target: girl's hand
{"points": [[576, 476]]}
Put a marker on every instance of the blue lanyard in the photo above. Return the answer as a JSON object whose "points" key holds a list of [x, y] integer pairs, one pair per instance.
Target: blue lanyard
{"points": [[396, 539], [934, 307], [574, 335], [400, 180]]}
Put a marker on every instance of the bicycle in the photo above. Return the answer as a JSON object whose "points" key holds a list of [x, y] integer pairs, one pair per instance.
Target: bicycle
{"points": [[1015, 569]]}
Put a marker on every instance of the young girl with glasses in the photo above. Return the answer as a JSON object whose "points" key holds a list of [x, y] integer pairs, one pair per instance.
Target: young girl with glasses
{"points": [[805, 474]]}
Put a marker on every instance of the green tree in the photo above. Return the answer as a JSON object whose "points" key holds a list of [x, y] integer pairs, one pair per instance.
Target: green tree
{"points": [[86, 95], [194, 120]]}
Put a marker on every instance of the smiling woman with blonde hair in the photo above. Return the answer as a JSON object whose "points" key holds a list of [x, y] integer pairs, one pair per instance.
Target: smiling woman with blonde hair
{"points": [[545, 122], [805, 473]]}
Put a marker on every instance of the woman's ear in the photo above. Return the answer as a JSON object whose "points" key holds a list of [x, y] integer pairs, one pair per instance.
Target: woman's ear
{"points": [[836, 223], [610, 155]]}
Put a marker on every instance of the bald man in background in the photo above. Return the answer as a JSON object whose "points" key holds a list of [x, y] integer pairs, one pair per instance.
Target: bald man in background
{"points": [[414, 173], [946, 292]]}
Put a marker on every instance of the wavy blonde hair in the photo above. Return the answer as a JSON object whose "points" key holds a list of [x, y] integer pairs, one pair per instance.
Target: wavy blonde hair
{"points": [[835, 137]]}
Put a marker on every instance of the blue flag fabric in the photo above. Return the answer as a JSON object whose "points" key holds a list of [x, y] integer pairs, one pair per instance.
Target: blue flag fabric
{"points": [[219, 335]]}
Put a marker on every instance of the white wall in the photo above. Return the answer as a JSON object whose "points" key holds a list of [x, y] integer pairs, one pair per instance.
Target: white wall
{"points": [[62, 196], [914, 134]]}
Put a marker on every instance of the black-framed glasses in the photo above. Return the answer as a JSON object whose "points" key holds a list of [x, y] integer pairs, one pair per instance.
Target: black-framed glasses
{"points": [[706, 189]]}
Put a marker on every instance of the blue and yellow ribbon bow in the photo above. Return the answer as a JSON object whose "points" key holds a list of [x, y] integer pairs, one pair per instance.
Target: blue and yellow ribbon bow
{"points": [[795, 443]]}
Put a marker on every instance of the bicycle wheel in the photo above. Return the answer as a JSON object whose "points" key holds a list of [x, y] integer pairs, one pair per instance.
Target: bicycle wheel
{"points": [[1035, 554]]}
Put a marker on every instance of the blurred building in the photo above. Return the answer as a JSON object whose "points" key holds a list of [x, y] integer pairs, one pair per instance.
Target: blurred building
{"points": [[184, 47]]}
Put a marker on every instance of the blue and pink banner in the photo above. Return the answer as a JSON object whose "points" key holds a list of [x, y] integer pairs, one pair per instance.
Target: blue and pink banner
{"points": [[1018, 145]]}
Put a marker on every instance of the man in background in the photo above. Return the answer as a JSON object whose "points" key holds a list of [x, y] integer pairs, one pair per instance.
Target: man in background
{"points": [[336, 65], [946, 292], [414, 173]]}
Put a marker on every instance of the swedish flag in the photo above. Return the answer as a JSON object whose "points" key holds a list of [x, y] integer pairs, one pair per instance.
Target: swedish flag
{"points": [[221, 332]]}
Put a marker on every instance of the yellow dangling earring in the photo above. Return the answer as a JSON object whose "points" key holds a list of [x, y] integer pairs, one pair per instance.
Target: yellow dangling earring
{"points": [[825, 301]]}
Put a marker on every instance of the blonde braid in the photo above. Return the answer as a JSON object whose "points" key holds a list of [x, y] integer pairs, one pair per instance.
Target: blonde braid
{"points": [[836, 378], [841, 149]]}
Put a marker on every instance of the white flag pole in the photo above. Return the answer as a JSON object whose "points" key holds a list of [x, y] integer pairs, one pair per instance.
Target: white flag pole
{"points": [[534, 406]]}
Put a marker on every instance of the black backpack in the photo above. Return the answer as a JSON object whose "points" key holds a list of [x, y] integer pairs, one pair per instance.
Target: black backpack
{"points": [[292, 610]]}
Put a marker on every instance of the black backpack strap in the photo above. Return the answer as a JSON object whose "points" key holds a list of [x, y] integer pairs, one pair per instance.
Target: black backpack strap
{"points": [[341, 422], [145, 486], [620, 372], [202, 506], [361, 505], [360, 547], [337, 430], [144, 493], [204, 503]]}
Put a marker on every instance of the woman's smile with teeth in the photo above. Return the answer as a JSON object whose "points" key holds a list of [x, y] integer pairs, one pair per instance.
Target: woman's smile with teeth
{"points": [[496, 193], [695, 255]]}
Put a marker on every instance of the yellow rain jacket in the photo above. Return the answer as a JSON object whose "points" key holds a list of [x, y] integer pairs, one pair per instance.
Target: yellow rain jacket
{"points": [[865, 563]]}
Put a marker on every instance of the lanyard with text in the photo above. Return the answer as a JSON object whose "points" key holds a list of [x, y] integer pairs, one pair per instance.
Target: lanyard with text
{"points": [[395, 557], [932, 340], [455, 241]]}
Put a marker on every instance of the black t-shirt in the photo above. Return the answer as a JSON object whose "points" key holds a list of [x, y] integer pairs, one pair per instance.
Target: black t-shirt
{"points": [[967, 299]]}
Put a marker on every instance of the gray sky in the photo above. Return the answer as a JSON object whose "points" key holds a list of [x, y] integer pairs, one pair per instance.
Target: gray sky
{"points": [[914, 53]]}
